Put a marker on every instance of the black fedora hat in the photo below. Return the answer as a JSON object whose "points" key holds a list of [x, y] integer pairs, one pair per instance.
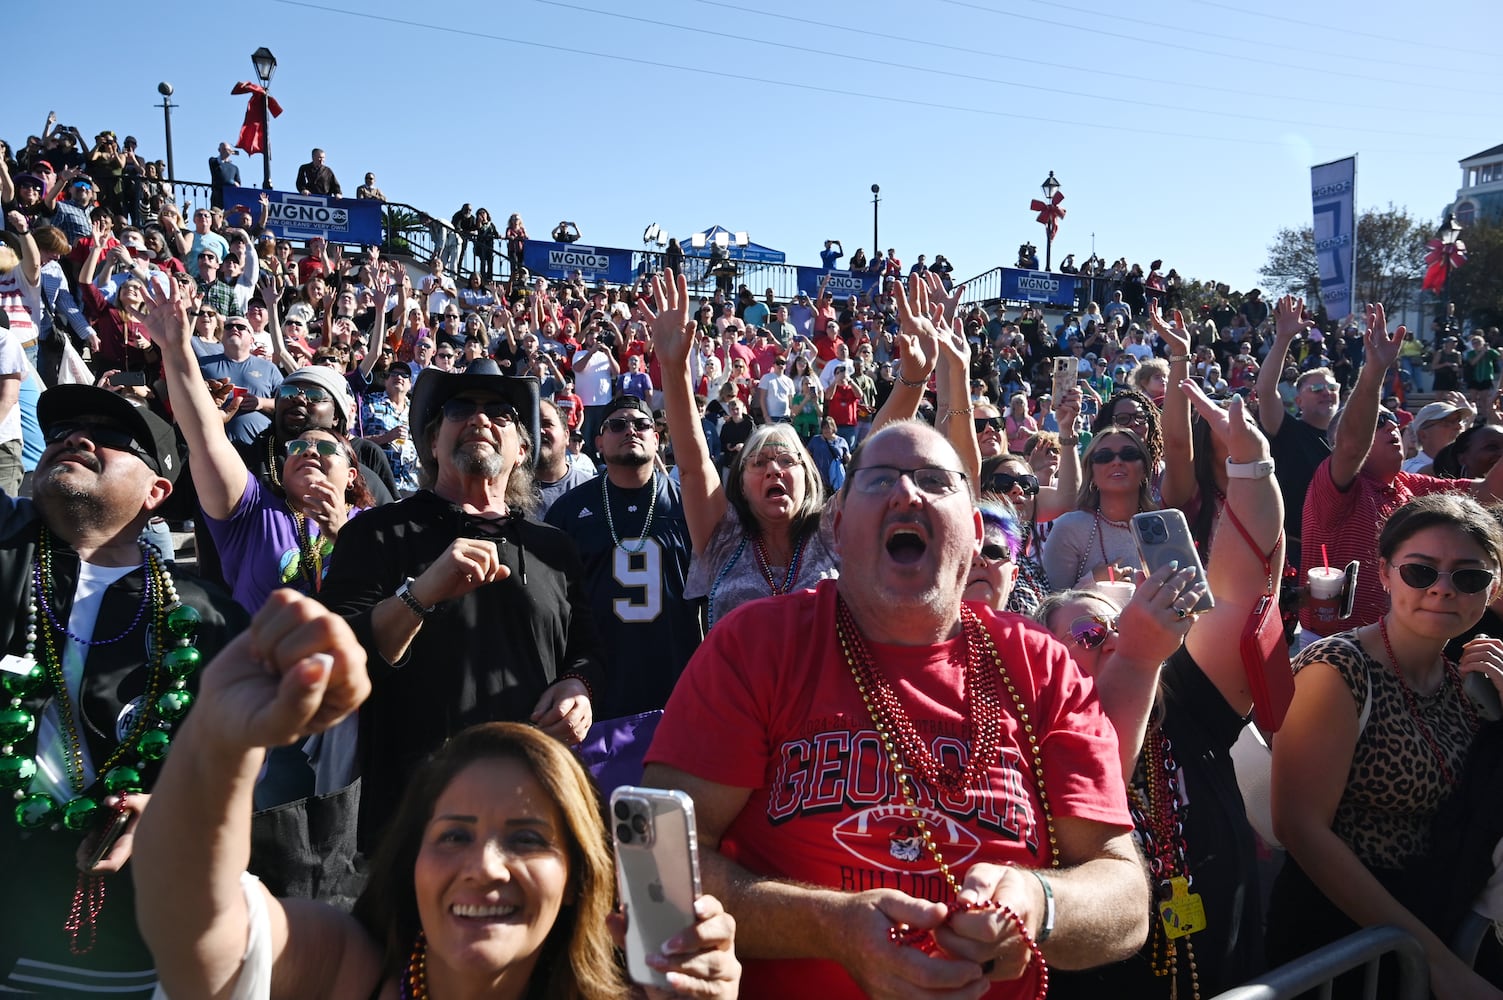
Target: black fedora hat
{"points": [[434, 388]]}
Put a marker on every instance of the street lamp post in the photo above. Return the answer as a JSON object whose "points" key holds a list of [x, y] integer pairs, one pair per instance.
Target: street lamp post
{"points": [[165, 89], [1450, 234], [266, 65], [1050, 188], [876, 199]]}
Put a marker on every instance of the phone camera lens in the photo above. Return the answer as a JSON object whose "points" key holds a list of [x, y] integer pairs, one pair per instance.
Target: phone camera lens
{"points": [[622, 810], [639, 823], [623, 833]]}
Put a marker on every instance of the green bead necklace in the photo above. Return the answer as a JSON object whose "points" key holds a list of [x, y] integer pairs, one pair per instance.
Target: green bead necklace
{"points": [[165, 702]]}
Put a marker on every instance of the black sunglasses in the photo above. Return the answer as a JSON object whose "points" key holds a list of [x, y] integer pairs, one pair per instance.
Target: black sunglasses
{"points": [[618, 425], [311, 393], [1104, 456], [1466, 581], [1003, 482], [992, 552], [103, 436], [496, 411], [982, 423], [1126, 418]]}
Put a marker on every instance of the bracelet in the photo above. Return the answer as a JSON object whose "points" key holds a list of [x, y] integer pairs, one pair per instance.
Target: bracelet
{"points": [[921, 383], [951, 413], [589, 691], [1049, 911], [1176, 358], [1260, 468], [1072, 442], [404, 594]]}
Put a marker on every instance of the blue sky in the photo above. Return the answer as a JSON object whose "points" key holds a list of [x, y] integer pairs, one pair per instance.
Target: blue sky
{"points": [[1183, 130]]}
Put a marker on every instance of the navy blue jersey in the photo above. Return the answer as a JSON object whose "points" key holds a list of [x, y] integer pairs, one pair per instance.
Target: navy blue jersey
{"points": [[635, 586]]}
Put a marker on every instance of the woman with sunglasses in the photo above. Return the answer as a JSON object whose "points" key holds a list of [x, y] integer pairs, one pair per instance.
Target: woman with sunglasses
{"points": [[1178, 696], [1094, 542], [1377, 738], [268, 535], [1132, 410], [990, 436]]}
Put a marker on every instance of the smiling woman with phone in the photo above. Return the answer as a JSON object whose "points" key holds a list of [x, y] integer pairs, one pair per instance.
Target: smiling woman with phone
{"points": [[494, 878], [1094, 542]]}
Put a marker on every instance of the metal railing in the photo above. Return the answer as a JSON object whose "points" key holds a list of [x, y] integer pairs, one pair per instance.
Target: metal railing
{"points": [[1319, 969]]}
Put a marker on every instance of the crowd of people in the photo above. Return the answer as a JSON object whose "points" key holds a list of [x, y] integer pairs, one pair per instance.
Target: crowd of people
{"points": [[870, 565]]}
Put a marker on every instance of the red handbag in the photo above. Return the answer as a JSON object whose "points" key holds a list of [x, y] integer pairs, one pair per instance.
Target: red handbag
{"points": [[1265, 654]]}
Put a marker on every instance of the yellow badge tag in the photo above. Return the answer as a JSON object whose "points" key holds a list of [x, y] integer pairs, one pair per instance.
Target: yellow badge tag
{"points": [[1182, 913]]}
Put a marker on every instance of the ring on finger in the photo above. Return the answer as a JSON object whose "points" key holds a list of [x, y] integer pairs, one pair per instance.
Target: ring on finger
{"points": [[1181, 613]]}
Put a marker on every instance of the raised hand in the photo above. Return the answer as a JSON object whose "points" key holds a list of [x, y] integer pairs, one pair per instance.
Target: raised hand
{"points": [[1381, 347], [1233, 426], [1289, 318], [948, 301], [918, 337], [671, 325], [167, 322], [1176, 336]]}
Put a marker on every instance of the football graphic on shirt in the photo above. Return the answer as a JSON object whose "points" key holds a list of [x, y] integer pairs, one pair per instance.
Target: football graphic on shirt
{"points": [[888, 837]]}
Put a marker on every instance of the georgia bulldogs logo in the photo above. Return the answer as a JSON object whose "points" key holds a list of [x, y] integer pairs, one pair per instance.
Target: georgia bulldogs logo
{"points": [[888, 837]]}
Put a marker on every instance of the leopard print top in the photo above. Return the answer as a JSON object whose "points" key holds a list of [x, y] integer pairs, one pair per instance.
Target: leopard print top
{"points": [[1395, 786]]}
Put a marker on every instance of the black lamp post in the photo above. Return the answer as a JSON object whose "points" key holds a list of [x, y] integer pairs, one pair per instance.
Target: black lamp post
{"points": [[1050, 188], [165, 89], [266, 66], [1450, 233], [876, 247]]}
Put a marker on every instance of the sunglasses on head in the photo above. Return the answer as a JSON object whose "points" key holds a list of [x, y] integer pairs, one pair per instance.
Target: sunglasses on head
{"points": [[301, 446], [1104, 456], [1466, 581], [982, 423], [496, 411], [619, 425], [1003, 482], [1090, 631], [309, 393]]}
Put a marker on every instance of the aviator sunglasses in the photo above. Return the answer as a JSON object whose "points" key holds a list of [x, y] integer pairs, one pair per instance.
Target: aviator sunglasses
{"points": [[1091, 631]]}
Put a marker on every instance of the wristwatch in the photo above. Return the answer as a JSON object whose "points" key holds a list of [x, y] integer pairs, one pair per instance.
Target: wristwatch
{"points": [[405, 595], [1261, 469]]}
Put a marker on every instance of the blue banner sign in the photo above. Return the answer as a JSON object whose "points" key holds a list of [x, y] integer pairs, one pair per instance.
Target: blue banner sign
{"points": [[1037, 286], [304, 216], [842, 285], [557, 261], [1333, 194]]}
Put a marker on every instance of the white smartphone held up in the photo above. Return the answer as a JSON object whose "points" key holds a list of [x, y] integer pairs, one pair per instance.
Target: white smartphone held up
{"points": [[1063, 376], [657, 867], [1164, 536]]}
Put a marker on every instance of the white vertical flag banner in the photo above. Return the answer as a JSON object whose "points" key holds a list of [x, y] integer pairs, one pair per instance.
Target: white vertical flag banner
{"points": [[1333, 191]]}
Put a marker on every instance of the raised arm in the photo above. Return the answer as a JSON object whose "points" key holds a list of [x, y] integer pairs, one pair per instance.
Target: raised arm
{"points": [[1359, 418], [672, 337], [219, 473], [1289, 322], [296, 671], [1179, 486], [1237, 574], [918, 349], [1059, 497], [31, 260], [953, 407]]}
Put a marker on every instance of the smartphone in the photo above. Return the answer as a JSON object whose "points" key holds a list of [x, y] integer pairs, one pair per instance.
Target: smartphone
{"points": [[128, 378], [657, 869], [109, 836], [1064, 373], [1164, 536]]}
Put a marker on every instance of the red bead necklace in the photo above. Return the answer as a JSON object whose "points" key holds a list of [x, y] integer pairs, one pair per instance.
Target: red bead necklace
{"points": [[909, 755], [1412, 704]]}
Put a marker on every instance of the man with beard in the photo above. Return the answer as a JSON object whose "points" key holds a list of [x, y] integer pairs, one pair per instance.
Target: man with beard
{"points": [[630, 530], [555, 473], [91, 667], [469, 611]]}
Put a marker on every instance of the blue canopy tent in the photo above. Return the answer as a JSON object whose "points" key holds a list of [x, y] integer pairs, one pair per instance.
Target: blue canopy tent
{"points": [[752, 252]]}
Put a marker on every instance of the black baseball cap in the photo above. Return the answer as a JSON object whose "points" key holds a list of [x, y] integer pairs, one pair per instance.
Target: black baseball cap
{"points": [[64, 403]]}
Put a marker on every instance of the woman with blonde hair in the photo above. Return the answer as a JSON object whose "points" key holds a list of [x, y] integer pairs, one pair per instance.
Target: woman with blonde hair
{"points": [[1094, 542], [1020, 425]]}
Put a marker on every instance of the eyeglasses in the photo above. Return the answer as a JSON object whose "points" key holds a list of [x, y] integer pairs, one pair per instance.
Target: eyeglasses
{"points": [[1322, 387], [300, 446], [449, 355], [1091, 631], [1104, 456], [1126, 418], [1004, 482], [103, 436], [876, 479], [496, 411], [293, 322], [1467, 581], [782, 459], [992, 552], [982, 423], [203, 312], [619, 425], [309, 393]]}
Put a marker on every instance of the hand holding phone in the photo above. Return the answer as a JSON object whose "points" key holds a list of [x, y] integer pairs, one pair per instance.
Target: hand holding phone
{"points": [[657, 867], [1163, 536]]}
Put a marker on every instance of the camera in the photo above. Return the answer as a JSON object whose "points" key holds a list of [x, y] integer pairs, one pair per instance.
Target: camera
{"points": [[632, 825], [1152, 530]]}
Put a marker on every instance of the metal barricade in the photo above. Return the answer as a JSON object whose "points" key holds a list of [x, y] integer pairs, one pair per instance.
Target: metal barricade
{"points": [[1319, 969]]}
